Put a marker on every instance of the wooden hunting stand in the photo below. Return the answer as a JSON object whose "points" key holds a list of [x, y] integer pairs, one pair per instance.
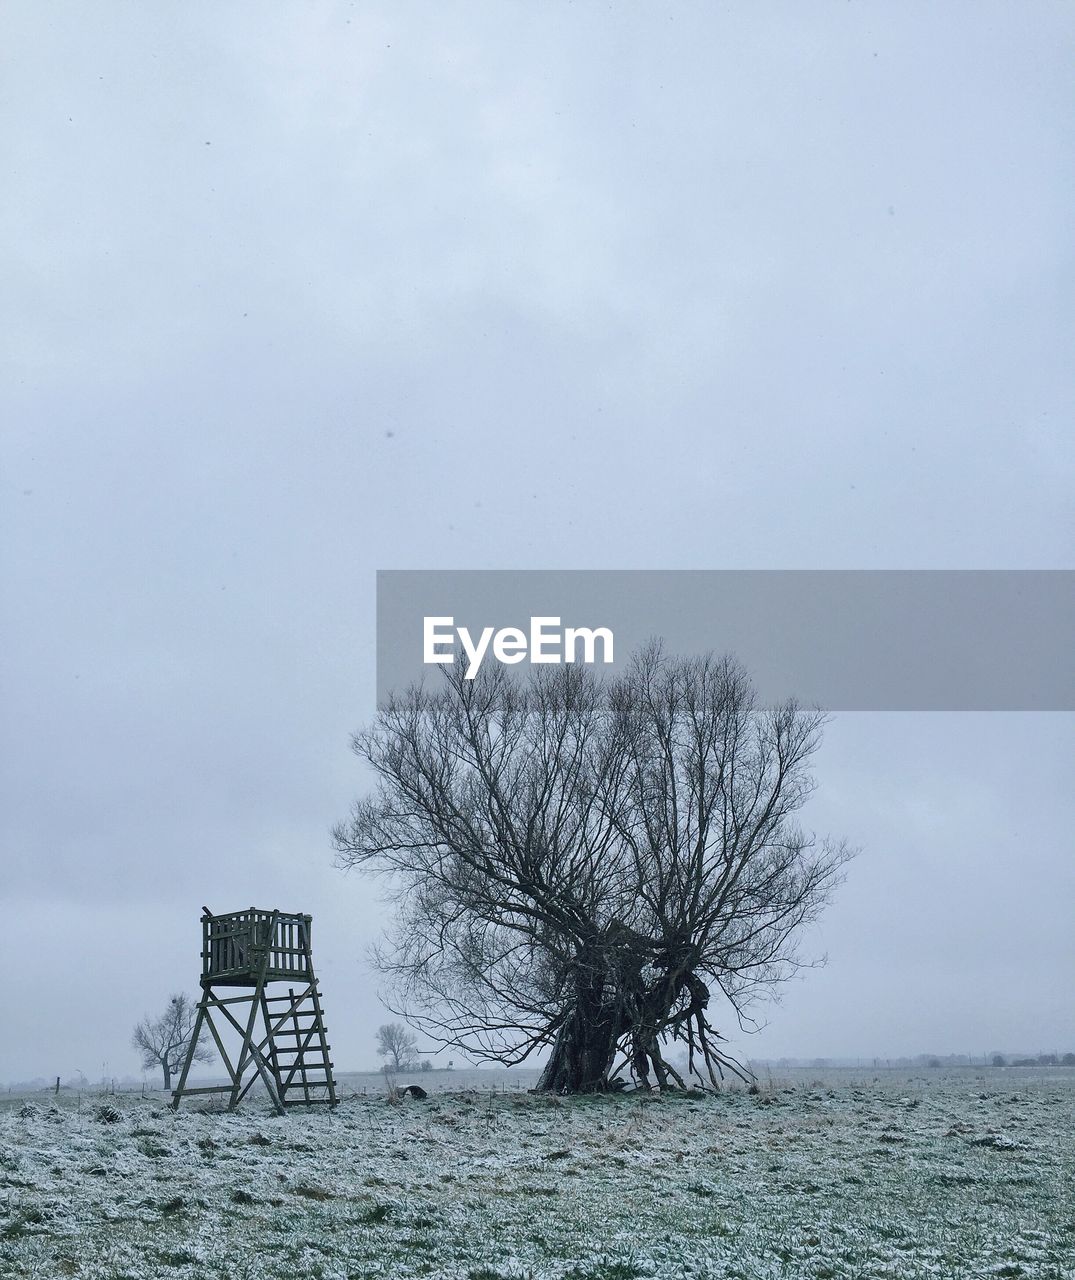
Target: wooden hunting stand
{"points": [[283, 1037]]}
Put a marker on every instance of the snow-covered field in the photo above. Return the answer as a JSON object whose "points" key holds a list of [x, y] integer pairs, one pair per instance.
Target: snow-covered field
{"points": [[835, 1175]]}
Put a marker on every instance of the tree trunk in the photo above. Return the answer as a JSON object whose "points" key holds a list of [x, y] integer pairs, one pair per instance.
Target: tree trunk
{"points": [[585, 1045], [167, 1068], [581, 1058]]}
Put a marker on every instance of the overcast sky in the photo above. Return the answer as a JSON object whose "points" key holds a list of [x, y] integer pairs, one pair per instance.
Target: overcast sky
{"points": [[297, 292]]}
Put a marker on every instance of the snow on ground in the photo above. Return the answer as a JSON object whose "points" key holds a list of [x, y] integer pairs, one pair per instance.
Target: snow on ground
{"points": [[937, 1176]]}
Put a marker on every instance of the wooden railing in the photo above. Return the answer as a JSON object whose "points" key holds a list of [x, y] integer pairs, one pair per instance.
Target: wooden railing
{"points": [[234, 946]]}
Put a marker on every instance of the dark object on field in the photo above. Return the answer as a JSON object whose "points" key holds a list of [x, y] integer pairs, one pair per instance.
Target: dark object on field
{"points": [[283, 1037], [413, 1091]]}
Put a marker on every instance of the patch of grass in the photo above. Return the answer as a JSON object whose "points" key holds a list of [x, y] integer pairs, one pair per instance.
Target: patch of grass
{"points": [[27, 1221], [154, 1148], [178, 1258], [24, 1222], [607, 1269], [378, 1213], [313, 1193]]}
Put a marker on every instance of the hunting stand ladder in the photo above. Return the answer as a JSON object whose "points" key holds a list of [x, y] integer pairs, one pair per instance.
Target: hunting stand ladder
{"points": [[282, 1037]]}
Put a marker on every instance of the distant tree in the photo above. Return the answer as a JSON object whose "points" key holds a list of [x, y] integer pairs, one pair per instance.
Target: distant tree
{"points": [[998, 1060], [163, 1041], [1068, 1060], [396, 1045]]}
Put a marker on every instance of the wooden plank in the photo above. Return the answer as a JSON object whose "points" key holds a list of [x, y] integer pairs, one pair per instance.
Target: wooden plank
{"points": [[298, 1046], [177, 1094]]}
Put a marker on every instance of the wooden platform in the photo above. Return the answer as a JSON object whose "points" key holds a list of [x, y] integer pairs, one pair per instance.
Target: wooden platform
{"points": [[243, 948]]}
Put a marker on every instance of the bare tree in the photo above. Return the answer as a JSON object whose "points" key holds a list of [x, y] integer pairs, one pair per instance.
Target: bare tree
{"points": [[396, 1045], [163, 1041], [580, 866]]}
